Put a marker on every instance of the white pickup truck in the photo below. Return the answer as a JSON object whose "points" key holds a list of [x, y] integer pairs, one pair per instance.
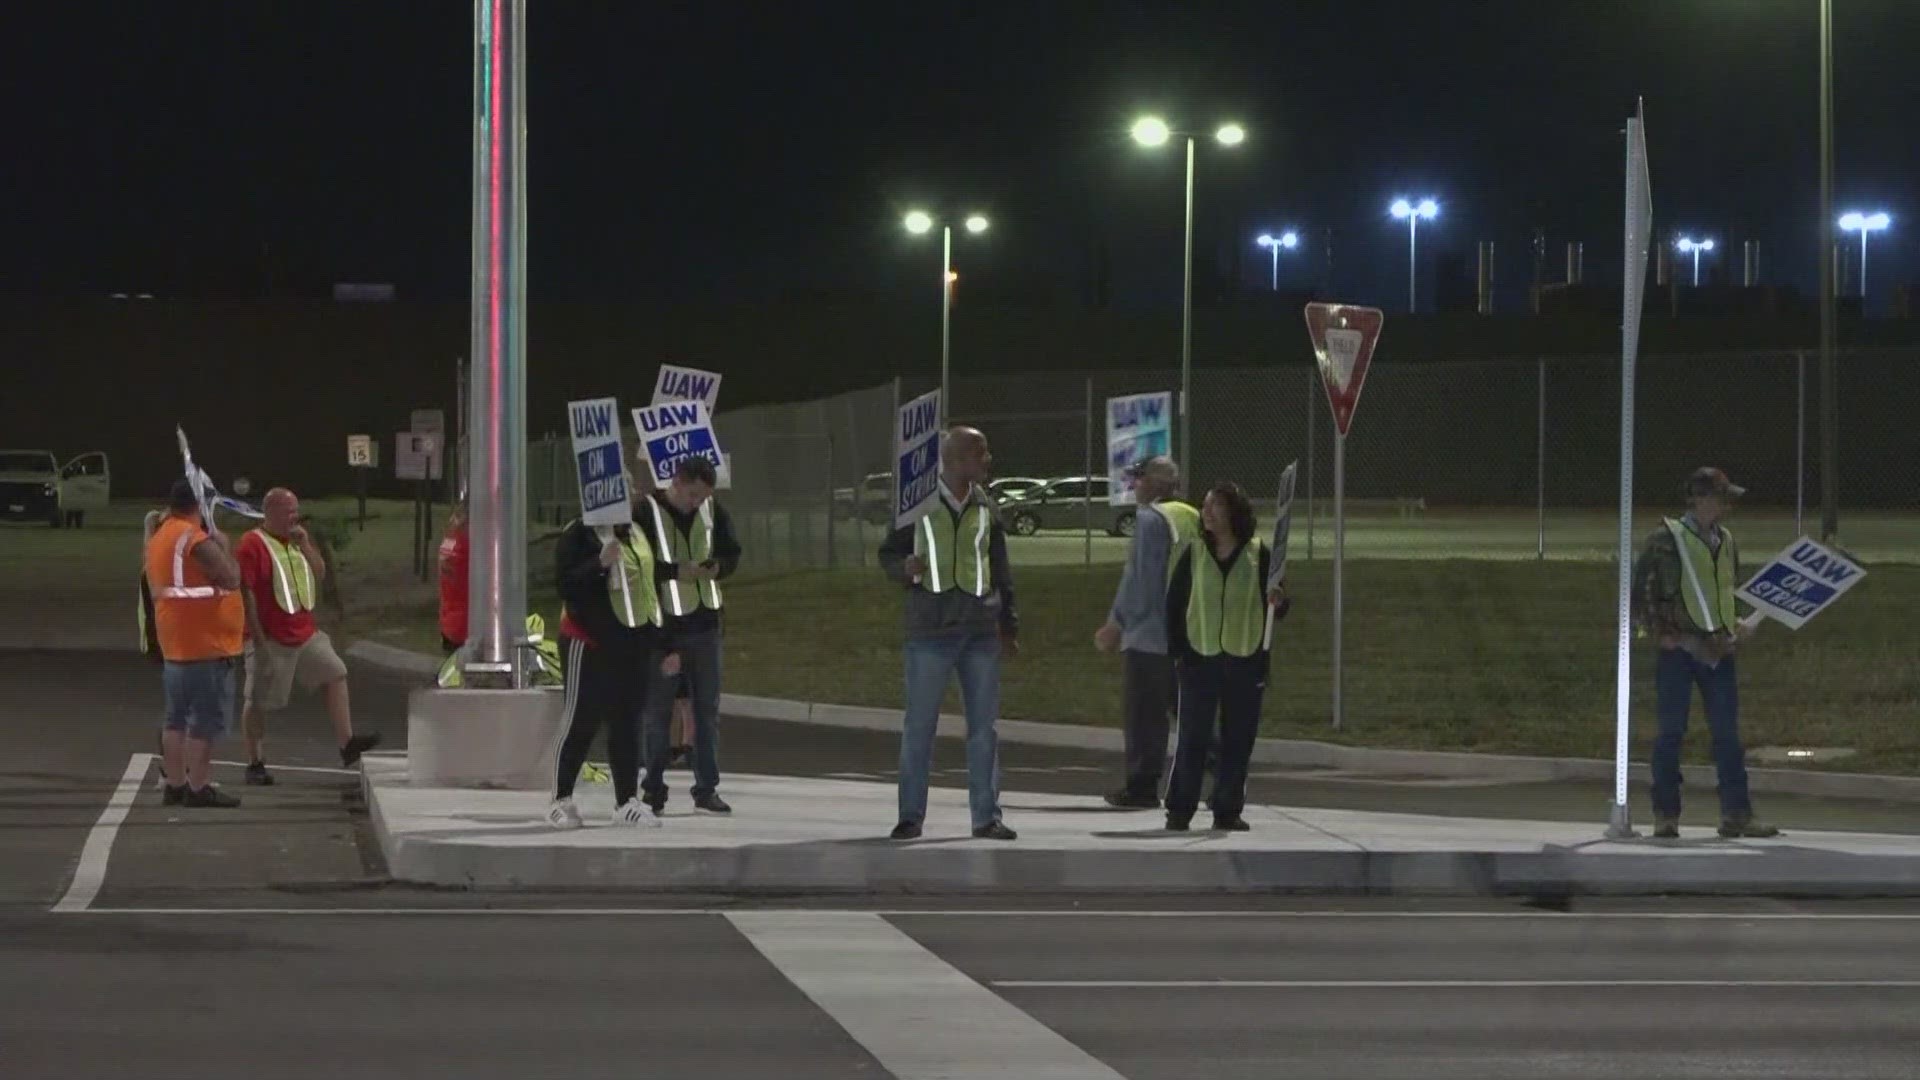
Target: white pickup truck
{"points": [[34, 486]]}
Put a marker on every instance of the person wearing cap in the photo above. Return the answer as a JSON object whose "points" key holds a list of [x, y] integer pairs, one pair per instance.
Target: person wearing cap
{"points": [[200, 622], [1683, 597], [1136, 626]]}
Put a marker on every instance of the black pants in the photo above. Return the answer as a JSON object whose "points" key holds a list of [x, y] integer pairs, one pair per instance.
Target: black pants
{"points": [[1226, 690], [1147, 689], [700, 670], [603, 687]]}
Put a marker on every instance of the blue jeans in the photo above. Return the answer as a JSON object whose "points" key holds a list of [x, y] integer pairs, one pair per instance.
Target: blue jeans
{"points": [[1674, 677], [700, 667], [199, 697], [931, 662]]}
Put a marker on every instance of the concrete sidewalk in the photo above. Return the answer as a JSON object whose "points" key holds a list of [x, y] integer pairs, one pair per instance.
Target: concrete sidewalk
{"points": [[795, 834]]}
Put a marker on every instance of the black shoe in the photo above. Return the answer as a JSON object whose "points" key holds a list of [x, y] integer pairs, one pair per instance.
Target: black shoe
{"points": [[711, 803], [1666, 828], [1131, 800], [1747, 826], [173, 796], [357, 745], [657, 802], [1177, 821], [211, 796], [906, 830], [258, 776], [1230, 823], [995, 831]]}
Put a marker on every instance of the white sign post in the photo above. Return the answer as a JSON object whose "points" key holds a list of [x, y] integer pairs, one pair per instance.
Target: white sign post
{"points": [[1139, 426], [672, 432], [916, 458], [1638, 237], [1343, 337], [599, 462], [1800, 582]]}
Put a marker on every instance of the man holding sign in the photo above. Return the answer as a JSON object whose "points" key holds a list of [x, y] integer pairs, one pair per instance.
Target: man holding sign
{"points": [[1684, 596]]}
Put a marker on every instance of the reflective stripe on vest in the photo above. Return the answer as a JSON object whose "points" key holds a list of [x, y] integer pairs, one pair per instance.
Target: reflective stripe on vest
{"points": [[635, 602], [1226, 612], [1183, 523], [687, 551], [957, 549], [292, 576], [1706, 580]]}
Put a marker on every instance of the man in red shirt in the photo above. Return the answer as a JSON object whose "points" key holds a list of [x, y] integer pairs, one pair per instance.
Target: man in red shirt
{"points": [[280, 571], [453, 583]]}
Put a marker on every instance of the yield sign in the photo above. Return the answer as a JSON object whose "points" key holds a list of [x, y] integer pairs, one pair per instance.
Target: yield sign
{"points": [[1343, 339]]}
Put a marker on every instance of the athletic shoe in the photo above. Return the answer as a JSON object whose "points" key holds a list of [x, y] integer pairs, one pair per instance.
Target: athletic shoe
{"points": [[635, 814], [212, 796], [258, 776], [355, 746], [562, 814], [1230, 823], [906, 830], [994, 830], [711, 803], [171, 795], [1132, 800], [1747, 827], [680, 758], [1666, 828]]}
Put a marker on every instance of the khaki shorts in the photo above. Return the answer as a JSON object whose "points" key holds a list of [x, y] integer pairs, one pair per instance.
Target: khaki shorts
{"points": [[272, 669]]}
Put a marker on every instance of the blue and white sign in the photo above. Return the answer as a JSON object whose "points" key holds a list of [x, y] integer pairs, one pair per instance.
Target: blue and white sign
{"points": [[687, 384], [1139, 426], [599, 462], [1800, 582], [916, 459], [674, 432]]}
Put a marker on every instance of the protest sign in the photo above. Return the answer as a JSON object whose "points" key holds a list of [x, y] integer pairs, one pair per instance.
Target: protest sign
{"points": [[1800, 582], [599, 462], [1139, 426], [673, 432], [687, 384], [916, 458]]}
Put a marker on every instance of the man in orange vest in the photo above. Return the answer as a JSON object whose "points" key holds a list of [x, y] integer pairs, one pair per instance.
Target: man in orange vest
{"points": [[201, 624]]}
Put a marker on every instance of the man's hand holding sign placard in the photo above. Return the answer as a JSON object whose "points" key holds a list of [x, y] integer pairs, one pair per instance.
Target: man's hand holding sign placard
{"points": [[1799, 583]]}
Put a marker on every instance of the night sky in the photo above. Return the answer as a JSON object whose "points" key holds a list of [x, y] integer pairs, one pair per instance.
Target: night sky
{"points": [[719, 152]]}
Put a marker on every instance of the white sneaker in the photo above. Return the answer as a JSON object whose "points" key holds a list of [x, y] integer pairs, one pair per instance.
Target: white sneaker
{"points": [[562, 814], [636, 815]]}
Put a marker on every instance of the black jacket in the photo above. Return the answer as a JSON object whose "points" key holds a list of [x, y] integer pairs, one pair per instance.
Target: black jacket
{"points": [[930, 614], [583, 586], [726, 557]]}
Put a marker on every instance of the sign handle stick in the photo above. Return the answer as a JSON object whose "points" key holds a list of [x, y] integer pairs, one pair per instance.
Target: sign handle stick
{"points": [[1339, 566]]}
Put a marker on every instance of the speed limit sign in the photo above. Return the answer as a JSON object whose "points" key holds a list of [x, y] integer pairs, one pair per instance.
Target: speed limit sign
{"points": [[360, 451]]}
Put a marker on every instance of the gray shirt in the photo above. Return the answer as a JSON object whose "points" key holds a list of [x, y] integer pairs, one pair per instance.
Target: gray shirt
{"points": [[1140, 604]]}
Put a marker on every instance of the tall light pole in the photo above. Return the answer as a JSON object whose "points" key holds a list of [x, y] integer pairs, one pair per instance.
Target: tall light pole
{"points": [[1688, 246], [1412, 213], [919, 223], [1151, 131], [1829, 377], [1288, 240], [1864, 224]]}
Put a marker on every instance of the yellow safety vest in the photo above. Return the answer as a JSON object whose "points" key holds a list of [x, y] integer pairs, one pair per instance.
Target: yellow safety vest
{"points": [[1183, 521], [292, 577], [1706, 578], [630, 585], [687, 551], [1226, 612], [957, 548], [548, 670]]}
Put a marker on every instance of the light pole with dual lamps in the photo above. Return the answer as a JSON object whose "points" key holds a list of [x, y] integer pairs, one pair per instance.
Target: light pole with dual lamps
{"points": [[919, 223]]}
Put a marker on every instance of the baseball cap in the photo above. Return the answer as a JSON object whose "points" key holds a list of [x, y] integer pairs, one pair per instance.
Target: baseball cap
{"points": [[1707, 480], [1139, 468]]}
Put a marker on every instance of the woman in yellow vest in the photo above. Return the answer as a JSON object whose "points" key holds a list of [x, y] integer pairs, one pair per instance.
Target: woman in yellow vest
{"points": [[1217, 633]]}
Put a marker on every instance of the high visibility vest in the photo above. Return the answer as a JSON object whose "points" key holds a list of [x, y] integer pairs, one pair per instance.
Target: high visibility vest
{"points": [[547, 668], [630, 584], [292, 577], [194, 619], [957, 548], [686, 551], [1706, 579], [1183, 521], [1226, 611]]}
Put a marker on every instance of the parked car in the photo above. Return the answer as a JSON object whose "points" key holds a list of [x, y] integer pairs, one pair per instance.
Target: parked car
{"points": [[1062, 504], [34, 486], [1008, 488], [872, 499]]}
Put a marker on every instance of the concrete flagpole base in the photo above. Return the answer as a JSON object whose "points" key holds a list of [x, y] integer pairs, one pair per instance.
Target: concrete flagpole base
{"points": [[506, 739]]}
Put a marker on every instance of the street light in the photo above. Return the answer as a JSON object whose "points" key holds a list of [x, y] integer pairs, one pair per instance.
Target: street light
{"points": [[920, 223], [1152, 131], [1688, 246], [1288, 240], [1864, 224], [1412, 213]]}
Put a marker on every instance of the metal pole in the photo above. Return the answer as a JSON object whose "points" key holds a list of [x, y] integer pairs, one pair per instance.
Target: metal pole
{"points": [[946, 306], [1339, 562], [1863, 271], [832, 562], [1312, 377], [1276, 267], [1088, 448], [1829, 377], [1540, 458], [1186, 328], [497, 581], [1800, 444], [1413, 239], [459, 477]]}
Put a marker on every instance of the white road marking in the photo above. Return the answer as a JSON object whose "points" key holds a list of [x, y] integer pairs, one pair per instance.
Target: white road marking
{"points": [[1015, 913], [92, 871], [295, 768], [921, 1017], [1443, 984]]}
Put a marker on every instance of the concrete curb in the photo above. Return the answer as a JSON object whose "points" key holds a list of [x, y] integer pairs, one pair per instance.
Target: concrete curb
{"points": [[1298, 753]]}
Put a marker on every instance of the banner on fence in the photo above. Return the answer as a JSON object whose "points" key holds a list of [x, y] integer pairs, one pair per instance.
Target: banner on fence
{"points": [[673, 432], [1139, 426], [916, 458], [1800, 582], [599, 461]]}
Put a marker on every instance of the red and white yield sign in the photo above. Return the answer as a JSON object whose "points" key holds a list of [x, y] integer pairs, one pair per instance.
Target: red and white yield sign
{"points": [[1343, 339]]}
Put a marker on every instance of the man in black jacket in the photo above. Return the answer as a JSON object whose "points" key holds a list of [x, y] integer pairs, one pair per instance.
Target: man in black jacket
{"points": [[694, 550], [614, 650]]}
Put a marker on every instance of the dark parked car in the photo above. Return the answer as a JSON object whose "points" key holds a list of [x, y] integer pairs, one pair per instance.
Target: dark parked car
{"points": [[1062, 504]]}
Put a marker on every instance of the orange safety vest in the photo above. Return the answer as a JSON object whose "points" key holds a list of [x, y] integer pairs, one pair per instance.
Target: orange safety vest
{"points": [[195, 619]]}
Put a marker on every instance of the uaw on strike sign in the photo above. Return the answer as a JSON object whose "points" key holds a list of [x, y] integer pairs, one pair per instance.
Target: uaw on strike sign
{"points": [[599, 462], [1800, 582], [673, 432]]}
